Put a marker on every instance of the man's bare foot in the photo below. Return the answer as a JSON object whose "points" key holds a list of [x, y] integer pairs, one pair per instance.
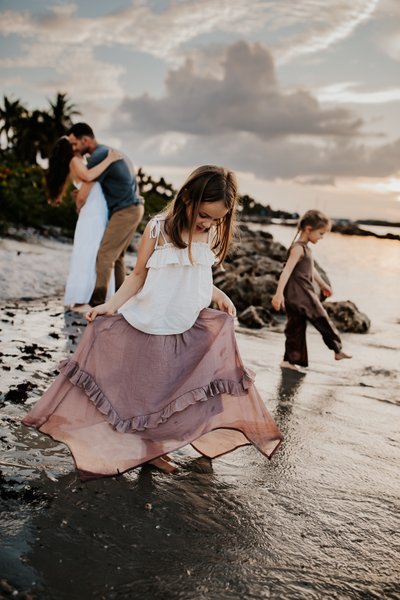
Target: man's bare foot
{"points": [[341, 355], [81, 308], [287, 365], [163, 465]]}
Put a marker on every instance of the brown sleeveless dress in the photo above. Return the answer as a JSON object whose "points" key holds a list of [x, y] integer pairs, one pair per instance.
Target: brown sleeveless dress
{"points": [[301, 304]]}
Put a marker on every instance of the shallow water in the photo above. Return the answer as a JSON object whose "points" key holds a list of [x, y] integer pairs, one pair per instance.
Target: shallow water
{"points": [[321, 520]]}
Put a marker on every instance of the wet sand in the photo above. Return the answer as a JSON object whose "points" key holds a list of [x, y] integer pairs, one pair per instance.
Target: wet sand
{"points": [[321, 520]]}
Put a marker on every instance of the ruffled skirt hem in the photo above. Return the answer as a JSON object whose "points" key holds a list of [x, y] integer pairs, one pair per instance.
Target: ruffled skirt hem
{"points": [[126, 397]]}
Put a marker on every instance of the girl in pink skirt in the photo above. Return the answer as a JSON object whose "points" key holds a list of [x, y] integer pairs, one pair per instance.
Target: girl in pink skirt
{"points": [[157, 369]]}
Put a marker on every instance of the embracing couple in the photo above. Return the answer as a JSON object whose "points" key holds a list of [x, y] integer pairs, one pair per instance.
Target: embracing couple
{"points": [[110, 210]]}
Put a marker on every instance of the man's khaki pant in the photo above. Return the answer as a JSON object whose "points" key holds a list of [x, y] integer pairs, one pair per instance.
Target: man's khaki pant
{"points": [[116, 239]]}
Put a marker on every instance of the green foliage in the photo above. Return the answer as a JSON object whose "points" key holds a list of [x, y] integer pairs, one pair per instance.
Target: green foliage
{"points": [[23, 199], [251, 208]]}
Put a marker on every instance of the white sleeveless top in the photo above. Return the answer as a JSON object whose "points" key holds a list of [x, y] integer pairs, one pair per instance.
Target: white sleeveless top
{"points": [[175, 290]]}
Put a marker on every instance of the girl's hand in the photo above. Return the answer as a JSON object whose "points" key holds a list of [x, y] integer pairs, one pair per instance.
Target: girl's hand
{"points": [[224, 303], [102, 309], [114, 155], [278, 301], [326, 290]]}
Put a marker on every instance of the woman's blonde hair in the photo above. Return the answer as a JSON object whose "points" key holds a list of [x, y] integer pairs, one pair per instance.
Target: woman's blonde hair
{"points": [[206, 184]]}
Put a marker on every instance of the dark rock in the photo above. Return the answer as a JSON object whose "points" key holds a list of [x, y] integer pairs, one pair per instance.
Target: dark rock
{"points": [[20, 393], [347, 318], [352, 228], [255, 317], [250, 278]]}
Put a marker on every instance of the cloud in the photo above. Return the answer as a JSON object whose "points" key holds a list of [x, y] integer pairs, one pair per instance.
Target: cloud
{"points": [[305, 27], [246, 99], [246, 120], [321, 180], [324, 24], [348, 92], [270, 160]]}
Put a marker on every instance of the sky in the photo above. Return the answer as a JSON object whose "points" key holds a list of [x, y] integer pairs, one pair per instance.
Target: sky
{"points": [[300, 98]]}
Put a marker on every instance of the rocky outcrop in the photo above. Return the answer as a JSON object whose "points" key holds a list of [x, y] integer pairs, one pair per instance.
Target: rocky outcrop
{"points": [[250, 277], [352, 228], [256, 317], [347, 317]]}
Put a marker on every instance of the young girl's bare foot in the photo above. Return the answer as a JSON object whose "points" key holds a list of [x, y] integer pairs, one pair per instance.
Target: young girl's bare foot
{"points": [[163, 465], [287, 365], [341, 355]]}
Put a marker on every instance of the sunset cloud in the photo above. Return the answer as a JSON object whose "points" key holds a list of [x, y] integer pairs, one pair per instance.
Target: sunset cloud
{"points": [[299, 92], [167, 34], [247, 99], [350, 93]]}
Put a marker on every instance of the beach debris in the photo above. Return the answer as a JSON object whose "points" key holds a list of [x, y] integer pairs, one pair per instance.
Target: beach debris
{"points": [[20, 392], [33, 352]]}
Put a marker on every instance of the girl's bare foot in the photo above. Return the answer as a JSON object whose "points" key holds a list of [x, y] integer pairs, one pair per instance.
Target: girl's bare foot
{"points": [[163, 465], [287, 365], [341, 355]]}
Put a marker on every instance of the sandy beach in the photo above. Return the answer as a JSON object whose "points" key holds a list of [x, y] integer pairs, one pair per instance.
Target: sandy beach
{"points": [[321, 520]]}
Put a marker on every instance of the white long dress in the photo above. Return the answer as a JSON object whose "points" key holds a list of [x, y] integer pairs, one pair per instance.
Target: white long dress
{"points": [[89, 230]]}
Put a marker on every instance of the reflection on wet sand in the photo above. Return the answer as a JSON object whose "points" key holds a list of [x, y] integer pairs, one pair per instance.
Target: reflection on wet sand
{"points": [[288, 391], [318, 521], [143, 535]]}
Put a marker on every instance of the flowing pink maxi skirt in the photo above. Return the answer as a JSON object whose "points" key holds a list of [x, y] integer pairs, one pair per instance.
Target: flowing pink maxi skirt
{"points": [[126, 397]]}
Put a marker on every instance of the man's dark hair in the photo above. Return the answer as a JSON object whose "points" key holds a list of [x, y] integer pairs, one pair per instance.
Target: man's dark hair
{"points": [[80, 129]]}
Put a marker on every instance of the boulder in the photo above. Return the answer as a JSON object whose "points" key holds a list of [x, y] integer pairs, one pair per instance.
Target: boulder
{"points": [[250, 278], [255, 317], [346, 317]]}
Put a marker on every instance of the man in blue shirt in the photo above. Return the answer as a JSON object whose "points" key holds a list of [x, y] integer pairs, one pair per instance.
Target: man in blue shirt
{"points": [[125, 207]]}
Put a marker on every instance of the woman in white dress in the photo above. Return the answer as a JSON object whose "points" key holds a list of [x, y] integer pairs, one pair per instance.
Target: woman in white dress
{"points": [[92, 220]]}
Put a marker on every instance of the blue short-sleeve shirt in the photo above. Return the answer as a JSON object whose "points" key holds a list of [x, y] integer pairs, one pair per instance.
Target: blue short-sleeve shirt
{"points": [[118, 183]]}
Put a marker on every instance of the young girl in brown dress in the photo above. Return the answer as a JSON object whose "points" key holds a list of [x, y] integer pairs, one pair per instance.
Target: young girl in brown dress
{"points": [[296, 293]]}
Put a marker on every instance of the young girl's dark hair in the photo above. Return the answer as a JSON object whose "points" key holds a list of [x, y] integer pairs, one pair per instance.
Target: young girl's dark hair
{"points": [[314, 219], [206, 184], [56, 176]]}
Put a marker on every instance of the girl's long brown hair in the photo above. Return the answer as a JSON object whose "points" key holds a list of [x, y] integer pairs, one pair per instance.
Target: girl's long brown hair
{"points": [[206, 184]]}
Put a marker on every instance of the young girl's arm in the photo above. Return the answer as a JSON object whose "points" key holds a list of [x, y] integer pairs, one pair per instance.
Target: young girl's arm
{"points": [[326, 289], [132, 284], [224, 303], [294, 256], [81, 172]]}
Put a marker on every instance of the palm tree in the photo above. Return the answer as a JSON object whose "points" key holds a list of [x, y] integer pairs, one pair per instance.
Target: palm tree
{"points": [[29, 133], [56, 122], [32, 137], [62, 111], [11, 118]]}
